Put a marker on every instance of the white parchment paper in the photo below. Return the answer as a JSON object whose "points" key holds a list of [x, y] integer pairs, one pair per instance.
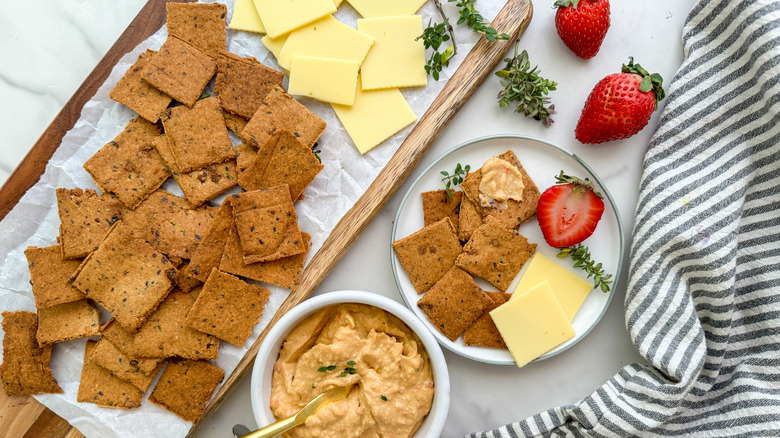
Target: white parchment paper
{"points": [[34, 221]]}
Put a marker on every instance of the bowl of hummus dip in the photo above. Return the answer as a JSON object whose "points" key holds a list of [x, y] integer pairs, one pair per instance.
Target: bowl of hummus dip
{"points": [[399, 378]]}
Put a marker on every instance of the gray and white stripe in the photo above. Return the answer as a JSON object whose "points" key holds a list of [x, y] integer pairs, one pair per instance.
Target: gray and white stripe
{"points": [[703, 299]]}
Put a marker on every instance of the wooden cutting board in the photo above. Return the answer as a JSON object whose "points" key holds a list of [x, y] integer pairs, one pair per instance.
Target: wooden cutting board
{"points": [[25, 417]]}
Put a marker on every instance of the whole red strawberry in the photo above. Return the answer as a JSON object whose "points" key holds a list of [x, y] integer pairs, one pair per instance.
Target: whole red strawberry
{"points": [[582, 25], [620, 105], [569, 211]]}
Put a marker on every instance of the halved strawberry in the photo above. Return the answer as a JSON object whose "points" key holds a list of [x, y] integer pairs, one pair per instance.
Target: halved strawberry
{"points": [[569, 211]]}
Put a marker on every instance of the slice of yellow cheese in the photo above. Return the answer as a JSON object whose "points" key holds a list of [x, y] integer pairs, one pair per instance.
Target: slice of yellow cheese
{"points": [[386, 8], [283, 16], [532, 323], [397, 58], [324, 79], [274, 45], [245, 17], [375, 116], [325, 38], [570, 289]]}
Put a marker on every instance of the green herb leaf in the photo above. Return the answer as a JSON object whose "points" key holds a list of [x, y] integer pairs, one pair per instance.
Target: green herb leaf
{"points": [[582, 260], [383, 397], [455, 179], [522, 84]]}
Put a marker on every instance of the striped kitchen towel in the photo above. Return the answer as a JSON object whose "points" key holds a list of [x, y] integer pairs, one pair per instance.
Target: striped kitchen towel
{"points": [[703, 299]]}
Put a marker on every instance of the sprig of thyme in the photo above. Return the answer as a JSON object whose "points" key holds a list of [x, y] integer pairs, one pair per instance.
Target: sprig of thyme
{"points": [[433, 37], [524, 85], [474, 20], [454, 179], [581, 256]]}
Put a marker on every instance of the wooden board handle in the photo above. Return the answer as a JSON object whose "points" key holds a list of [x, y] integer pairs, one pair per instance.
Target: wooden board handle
{"points": [[476, 67]]}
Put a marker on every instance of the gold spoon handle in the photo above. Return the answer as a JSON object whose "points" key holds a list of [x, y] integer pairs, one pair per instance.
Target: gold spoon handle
{"points": [[274, 429]]}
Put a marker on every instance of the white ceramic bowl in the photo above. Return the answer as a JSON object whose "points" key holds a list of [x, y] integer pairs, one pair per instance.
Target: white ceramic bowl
{"points": [[269, 352]]}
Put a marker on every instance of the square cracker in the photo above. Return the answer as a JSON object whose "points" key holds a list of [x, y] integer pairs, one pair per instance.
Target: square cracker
{"points": [[454, 303], [484, 333], [209, 252], [267, 224], [243, 83], [129, 166], [469, 218], [428, 254], [495, 253], [165, 334], [50, 276], [63, 322], [122, 366], [137, 94], [180, 234], [159, 205], [437, 205], [200, 24], [126, 276], [285, 160], [198, 136], [513, 213], [228, 307], [280, 111], [102, 388], [234, 123], [25, 368], [123, 341], [186, 386], [85, 218], [180, 70]]}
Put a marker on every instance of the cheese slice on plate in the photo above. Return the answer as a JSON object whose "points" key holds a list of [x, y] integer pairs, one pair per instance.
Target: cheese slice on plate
{"points": [[326, 38], [397, 58], [245, 17], [386, 8], [281, 17], [324, 79], [532, 323], [570, 289]]}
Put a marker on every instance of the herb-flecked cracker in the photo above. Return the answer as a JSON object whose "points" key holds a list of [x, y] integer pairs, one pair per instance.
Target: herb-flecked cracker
{"points": [[25, 368], [280, 111], [50, 275], [122, 366], [165, 334], [137, 94], [469, 219], [245, 157], [126, 276], [291, 162], [454, 303], [437, 205], [428, 254], [180, 234], [180, 70], [200, 24], [228, 307], [102, 388], [129, 166], [495, 253], [243, 83], [159, 205], [198, 136], [484, 333], [186, 386], [184, 281], [123, 341], [208, 254], [85, 218], [63, 322], [234, 123]]}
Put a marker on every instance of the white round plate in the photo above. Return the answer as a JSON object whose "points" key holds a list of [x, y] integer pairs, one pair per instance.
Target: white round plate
{"points": [[543, 161]]}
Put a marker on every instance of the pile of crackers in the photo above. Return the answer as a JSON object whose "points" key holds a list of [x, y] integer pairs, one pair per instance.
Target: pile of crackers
{"points": [[464, 239], [176, 274]]}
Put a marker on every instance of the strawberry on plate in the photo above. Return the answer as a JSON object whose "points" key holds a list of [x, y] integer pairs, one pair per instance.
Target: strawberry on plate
{"points": [[569, 211], [582, 25], [620, 105]]}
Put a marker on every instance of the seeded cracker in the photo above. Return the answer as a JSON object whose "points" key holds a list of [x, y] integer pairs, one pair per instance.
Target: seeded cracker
{"points": [[245, 157], [165, 334], [454, 303], [437, 205], [50, 275], [228, 307], [202, 25], [123, 341], [484, 333], [428, 254], [186, 386], [25, 368], [129, 166], [243, 83], [291, 162], [234, 123], [126, 276], [185, 282], [198, 137], [469, 219], [495, 253], [209, 252], [121, 365], [180, 70], [85, 218], [158, 206], [77, 319], [280, 111], [102, 388], [180, 234], [137, 94]]}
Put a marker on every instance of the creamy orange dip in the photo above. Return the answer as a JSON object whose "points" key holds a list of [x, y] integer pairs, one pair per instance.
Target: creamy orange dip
{"points": [[354, 343], [501, 181]]}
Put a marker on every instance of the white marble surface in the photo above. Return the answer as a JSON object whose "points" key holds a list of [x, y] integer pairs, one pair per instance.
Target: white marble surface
{"points": [[48, 47]]}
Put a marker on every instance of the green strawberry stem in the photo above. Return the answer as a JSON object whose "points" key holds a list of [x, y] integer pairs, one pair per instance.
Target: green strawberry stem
{"points": [[652, 82]]}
